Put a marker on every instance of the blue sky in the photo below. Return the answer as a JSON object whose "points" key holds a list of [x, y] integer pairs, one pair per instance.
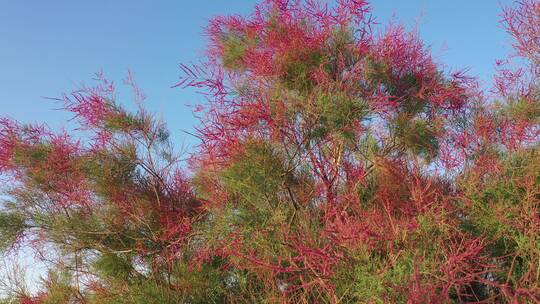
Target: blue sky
{"points": [[50, 47]]}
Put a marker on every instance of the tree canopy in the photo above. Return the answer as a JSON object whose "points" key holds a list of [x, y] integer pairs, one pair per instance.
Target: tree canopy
{"points": [[338, 163]]}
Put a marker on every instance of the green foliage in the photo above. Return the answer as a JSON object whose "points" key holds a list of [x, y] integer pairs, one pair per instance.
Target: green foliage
{"points": [[59, 289], [337, 113], [256, 182], [375, 278], [376, 71], [112, 171], [416, 135], [25, 154], [503, 206], [256, 175], [235, 47], [12, 225], [520, 108], [123, 121], [114, 266], [340, 46], [34, 156], [298, 68]]}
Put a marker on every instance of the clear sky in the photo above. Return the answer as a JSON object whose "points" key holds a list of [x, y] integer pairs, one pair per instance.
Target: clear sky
{"points": [[49, 47]]}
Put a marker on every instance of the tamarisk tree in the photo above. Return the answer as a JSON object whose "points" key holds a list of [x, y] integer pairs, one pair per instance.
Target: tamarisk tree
{"points": [[338, 163]]}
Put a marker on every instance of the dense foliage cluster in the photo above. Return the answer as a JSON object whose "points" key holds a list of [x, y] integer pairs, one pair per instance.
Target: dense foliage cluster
{"points": [[338, 163]]}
